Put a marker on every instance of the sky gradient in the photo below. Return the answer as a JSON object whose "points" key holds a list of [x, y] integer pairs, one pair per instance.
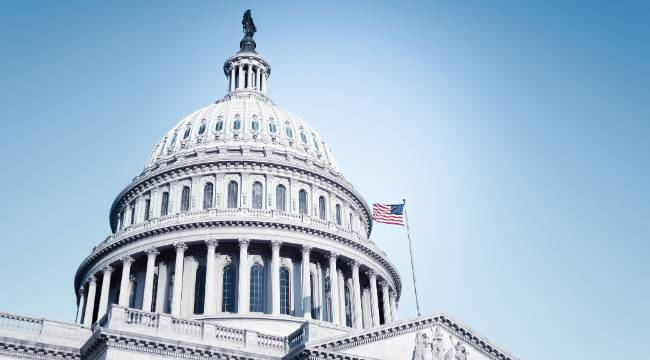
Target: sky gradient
{"points": [[518, 132]]}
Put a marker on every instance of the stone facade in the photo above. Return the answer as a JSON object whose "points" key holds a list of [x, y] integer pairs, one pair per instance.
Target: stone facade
{"points": [[240, 239]]}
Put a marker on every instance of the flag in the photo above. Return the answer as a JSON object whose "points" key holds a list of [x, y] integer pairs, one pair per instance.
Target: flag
{"points": [[388, 214]]}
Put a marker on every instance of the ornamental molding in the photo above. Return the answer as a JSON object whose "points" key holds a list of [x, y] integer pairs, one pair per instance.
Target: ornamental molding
{"points": [[98, 253], [35, 350], [185, 168], [442, 320]]}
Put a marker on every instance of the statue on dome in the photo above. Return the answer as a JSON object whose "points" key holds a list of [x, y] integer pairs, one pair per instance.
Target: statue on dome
{"points": [[248, 24]]}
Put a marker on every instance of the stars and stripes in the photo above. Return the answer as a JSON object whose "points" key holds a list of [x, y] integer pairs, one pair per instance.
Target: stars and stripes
{"points": [[388, 214]]}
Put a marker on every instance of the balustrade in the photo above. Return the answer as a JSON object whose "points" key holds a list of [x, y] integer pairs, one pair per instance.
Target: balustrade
{"points": [[20, 323]]}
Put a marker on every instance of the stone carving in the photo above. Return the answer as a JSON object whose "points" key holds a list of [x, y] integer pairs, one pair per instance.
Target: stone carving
{"points": [[431, 346]]}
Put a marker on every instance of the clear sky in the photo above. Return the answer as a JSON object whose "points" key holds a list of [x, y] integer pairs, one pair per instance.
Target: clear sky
{"points": [[518, 132]]}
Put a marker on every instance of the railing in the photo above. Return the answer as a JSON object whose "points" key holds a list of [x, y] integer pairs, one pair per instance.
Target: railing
{"points": [[298, 337], [230, 335], [187, 327], [20, 323], [272, 342], [141, 318]]}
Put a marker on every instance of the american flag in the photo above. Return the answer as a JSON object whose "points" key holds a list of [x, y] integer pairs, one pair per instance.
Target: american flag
{"points": [[388, 214]]}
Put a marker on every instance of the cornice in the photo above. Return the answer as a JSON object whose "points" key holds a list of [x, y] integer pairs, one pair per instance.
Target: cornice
{"points": [[36, 350]]}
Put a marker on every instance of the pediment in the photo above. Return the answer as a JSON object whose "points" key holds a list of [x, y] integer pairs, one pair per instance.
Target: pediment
{"points": [[435, 337]]}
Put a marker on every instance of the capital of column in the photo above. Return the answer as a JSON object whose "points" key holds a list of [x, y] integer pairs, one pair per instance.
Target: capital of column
{"points": [[383, 283], [107, 270], [371, 274], [152, 252], [244, 243], [212, 243], [92, 280], [180, 246], [275, 244], [127, 260], [333, 255], [392, 294], [306, 249], [354, 264], [81, 290]]}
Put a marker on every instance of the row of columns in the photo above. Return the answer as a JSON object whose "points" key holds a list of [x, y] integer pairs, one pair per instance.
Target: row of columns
{"points": [[247, 71], [338, 317]]}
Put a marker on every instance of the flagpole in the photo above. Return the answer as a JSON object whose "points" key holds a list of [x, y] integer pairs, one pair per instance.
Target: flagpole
{"points": [[408, 234]]}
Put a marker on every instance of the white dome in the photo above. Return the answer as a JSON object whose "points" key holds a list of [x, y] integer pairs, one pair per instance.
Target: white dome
{"points": [[243, 119]]}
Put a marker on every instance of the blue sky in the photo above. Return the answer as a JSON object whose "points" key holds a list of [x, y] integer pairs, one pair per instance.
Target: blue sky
{"points": [[517, 131]]}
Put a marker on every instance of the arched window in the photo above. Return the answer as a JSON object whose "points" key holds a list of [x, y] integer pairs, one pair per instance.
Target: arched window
{"points": [[285, 291], [348, 307], [132, 213], [302, 202], [316, 144], [173, 142], [133, 287], [208, 194], [219, 125], [281, 198], [303, 137], [185, 199], [350, 221], [321, 208], [289, 132], [188, 131], [273, 128], [164, 206], [257, 195], [229, 288], [233, 194], [202, 129], [199, 290], [314, 309], [237, 124], [147, 208], [255, 125], [257, 288], [338, 214]]}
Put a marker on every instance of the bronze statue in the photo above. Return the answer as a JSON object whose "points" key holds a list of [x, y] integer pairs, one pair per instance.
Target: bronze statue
{"points": [[248, 24]]}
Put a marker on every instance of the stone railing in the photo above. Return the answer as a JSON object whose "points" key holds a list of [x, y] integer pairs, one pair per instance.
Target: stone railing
{"points": [[11, 322], [166, 326], [240, 214]]}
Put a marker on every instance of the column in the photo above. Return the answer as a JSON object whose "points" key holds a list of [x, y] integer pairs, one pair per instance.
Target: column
{"points": [[334, 288], [358, 320], [232, 77], [306, 286], [210, 305], [240, 84], [244, 278], [126, 279], [342, 285], [103, 296], [178, 278], [249, 74], [393, 306], [263, 81], [386, 299], [90, 301], [374, 298], [80, 307], [257, 78], [148, 279], [275, 276]]}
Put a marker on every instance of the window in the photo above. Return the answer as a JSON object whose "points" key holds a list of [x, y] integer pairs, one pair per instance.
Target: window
{"points": [[232, 194], [255, 125], [314, 309], [328, 300], [281, 198], [257, 288], [316, 144], [199, 290], [202, 129], [303, 137], [229, 286], [219, 125], [132, 213], [120, 219], [285, 305], [273, 128], [185, 199], [289, 132], [188, 131], [338, 214], [257, 195], [133, 289], [237, 124], [154, 293], [147, 208], [164, 206], [348, 307], [208, 194], [302, 202], [350, 221], [173, 142], [321, 208]]}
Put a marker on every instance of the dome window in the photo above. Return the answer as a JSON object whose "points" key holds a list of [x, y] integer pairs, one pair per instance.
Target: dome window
{"points": [[188, 131], [273, 128], [202, 129], [303, 137], [237, 124], [173, 142], [219, 125], [255, 125], [316, 145], [289, 132]]}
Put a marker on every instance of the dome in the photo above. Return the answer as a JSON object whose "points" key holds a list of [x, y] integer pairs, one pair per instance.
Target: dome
{"points": [[242, 119]]}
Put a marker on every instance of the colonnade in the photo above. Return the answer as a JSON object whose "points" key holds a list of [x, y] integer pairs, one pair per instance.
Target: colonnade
{"points": [[247, 75], [337, 308]]}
